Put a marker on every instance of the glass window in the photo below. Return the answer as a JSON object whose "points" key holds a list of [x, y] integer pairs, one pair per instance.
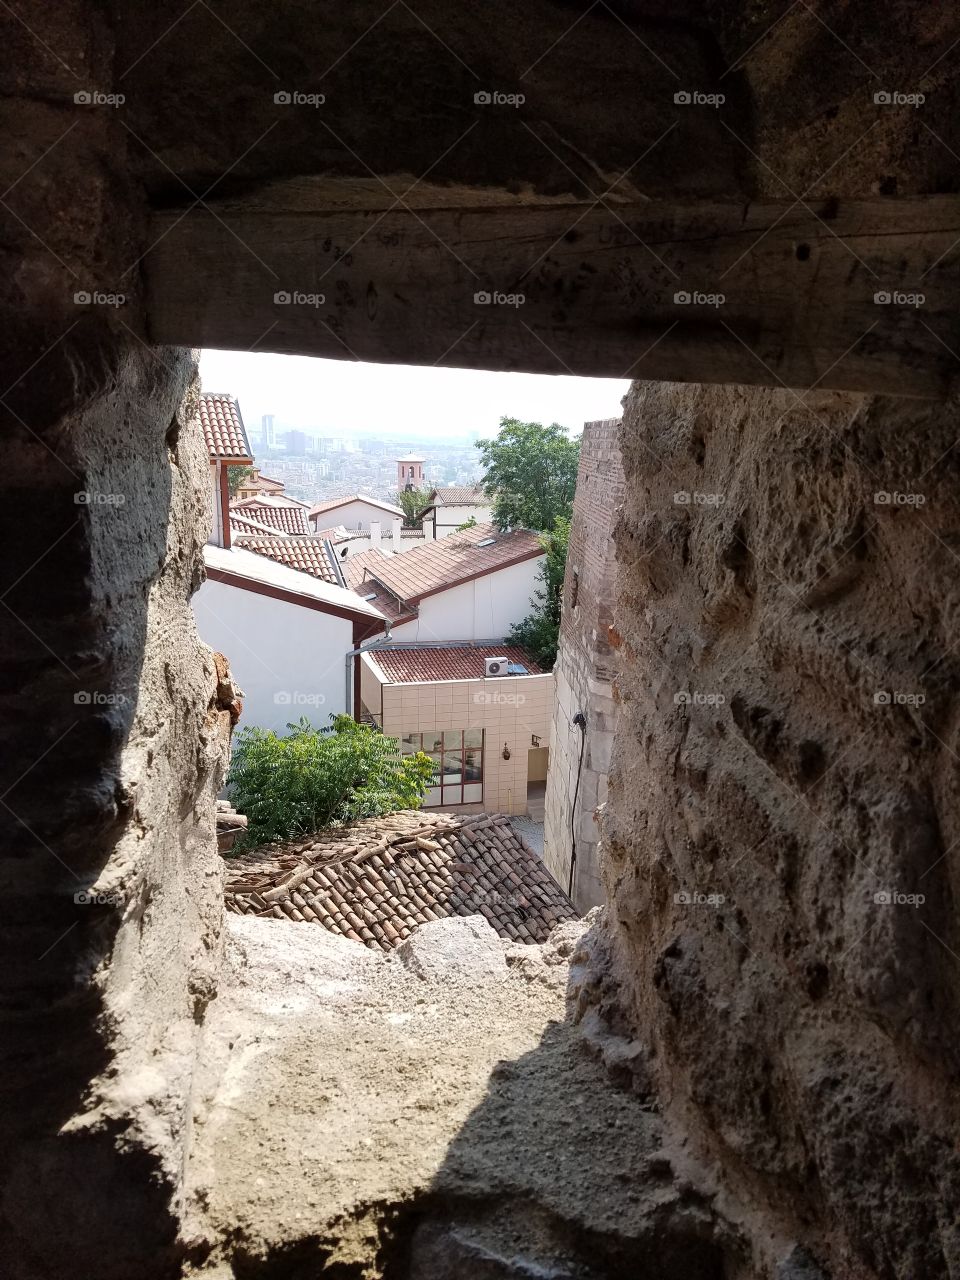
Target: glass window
{"points": [[409, 743], [457, 756]]}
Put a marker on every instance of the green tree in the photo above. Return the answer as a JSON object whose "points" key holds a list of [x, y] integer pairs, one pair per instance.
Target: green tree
{"points": [[539, 632], [309, 779], [236, 476], [531, 471], [413, 503]]}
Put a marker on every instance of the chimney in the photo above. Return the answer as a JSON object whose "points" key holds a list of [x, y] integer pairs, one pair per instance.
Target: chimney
{"points": [[374, 533], [396, 533]]}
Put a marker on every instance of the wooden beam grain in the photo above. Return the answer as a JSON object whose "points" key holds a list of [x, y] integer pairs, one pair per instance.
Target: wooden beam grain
{"points": [[780, 293]]}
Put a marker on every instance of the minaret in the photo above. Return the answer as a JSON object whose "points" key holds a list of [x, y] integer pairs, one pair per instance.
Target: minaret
{"points": [[409, 472]]}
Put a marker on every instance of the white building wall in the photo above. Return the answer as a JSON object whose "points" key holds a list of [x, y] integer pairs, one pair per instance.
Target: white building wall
{"points": [[448, 519], [484, 609], [289, 660], [355, 515]]}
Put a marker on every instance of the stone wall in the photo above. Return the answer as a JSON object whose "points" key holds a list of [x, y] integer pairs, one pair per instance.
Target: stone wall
{"points": [[585, 669], [784, 813]]}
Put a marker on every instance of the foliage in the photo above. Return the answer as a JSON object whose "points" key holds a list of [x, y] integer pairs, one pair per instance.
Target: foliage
{"points": [[309, 779], [532, 472], [413, 503], [467, 524], [236, 475], [539, 632]]}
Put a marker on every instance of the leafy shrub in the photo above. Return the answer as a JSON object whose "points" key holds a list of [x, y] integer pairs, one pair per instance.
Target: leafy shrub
{"points": [[309, 779], [539, 632]]}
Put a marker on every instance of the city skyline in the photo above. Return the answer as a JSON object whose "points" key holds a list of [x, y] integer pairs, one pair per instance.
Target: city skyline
{"points": [[344, 399]]}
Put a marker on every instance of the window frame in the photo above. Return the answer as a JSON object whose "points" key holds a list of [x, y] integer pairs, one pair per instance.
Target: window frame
{"points": [[452, 744]]}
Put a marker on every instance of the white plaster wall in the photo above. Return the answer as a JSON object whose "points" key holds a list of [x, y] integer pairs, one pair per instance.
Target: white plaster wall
{"points": [[483, 609], [449, 518], [287, 659], [355, 515]]}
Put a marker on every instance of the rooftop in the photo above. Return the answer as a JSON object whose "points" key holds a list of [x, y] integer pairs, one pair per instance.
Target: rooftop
{"points": [[303, 552], [460, 496], [259, 572], [380, 879], [241, 523], [274, 512], [462, 662], [223, 428], [435, 566]]}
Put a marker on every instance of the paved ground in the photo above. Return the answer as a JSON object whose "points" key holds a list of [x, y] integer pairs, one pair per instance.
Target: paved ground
{"points": [[529, 830]]}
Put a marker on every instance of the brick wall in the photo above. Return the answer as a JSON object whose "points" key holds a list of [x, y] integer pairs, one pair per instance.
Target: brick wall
{"points": [[585, 667]]}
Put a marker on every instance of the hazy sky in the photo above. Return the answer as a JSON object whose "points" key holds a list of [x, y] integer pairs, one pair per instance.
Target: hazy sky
{"points": [[340, 395]]}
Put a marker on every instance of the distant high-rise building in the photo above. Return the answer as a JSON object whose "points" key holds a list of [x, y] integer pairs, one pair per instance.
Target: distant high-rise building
{"points": [[266, 431], [295, 442]]}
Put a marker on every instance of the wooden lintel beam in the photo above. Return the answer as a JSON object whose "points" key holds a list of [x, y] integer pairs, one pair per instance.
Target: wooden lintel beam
{"points": [[780, 293]]}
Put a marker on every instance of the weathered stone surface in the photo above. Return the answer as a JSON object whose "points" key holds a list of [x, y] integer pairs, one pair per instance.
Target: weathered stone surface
{"points": [[784, 787], [461, 947]]}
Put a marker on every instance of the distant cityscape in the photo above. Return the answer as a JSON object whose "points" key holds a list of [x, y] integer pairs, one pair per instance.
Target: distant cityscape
{"points": [[314, 466]]}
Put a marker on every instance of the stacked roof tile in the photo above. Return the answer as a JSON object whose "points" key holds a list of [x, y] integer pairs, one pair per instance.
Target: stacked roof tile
{"points": [[380, 879], [223, 428], [435, 566], [306, 553], [460, 496], [285, 519], [462, 662]]}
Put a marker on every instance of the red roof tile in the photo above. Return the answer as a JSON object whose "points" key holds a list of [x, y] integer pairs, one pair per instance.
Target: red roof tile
{"points": [[460, 496], [283, 518], [223, 428], [463, 662], [380, 879], [241, 524], [435, 566], [307, 554]]}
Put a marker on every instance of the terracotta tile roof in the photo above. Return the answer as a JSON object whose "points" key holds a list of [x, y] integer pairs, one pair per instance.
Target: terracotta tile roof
{"points": [[437, 565], [307, 554], [461, 496], [339, 534], [332, 503], [464, 662], [379, 879], [282, 518], [355, 567], [223, 428], [265, 485], [241, 524]]}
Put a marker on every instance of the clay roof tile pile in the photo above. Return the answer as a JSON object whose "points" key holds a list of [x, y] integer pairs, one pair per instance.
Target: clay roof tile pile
{"points": [[380, 879], [223, 428], [307, 554]]}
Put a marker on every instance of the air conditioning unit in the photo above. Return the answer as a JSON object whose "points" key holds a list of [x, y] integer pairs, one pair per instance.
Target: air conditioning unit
{"points": [[494, 666]]}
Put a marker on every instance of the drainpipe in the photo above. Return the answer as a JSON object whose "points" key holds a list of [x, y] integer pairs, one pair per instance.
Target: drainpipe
{"points": [[383, 642]]}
